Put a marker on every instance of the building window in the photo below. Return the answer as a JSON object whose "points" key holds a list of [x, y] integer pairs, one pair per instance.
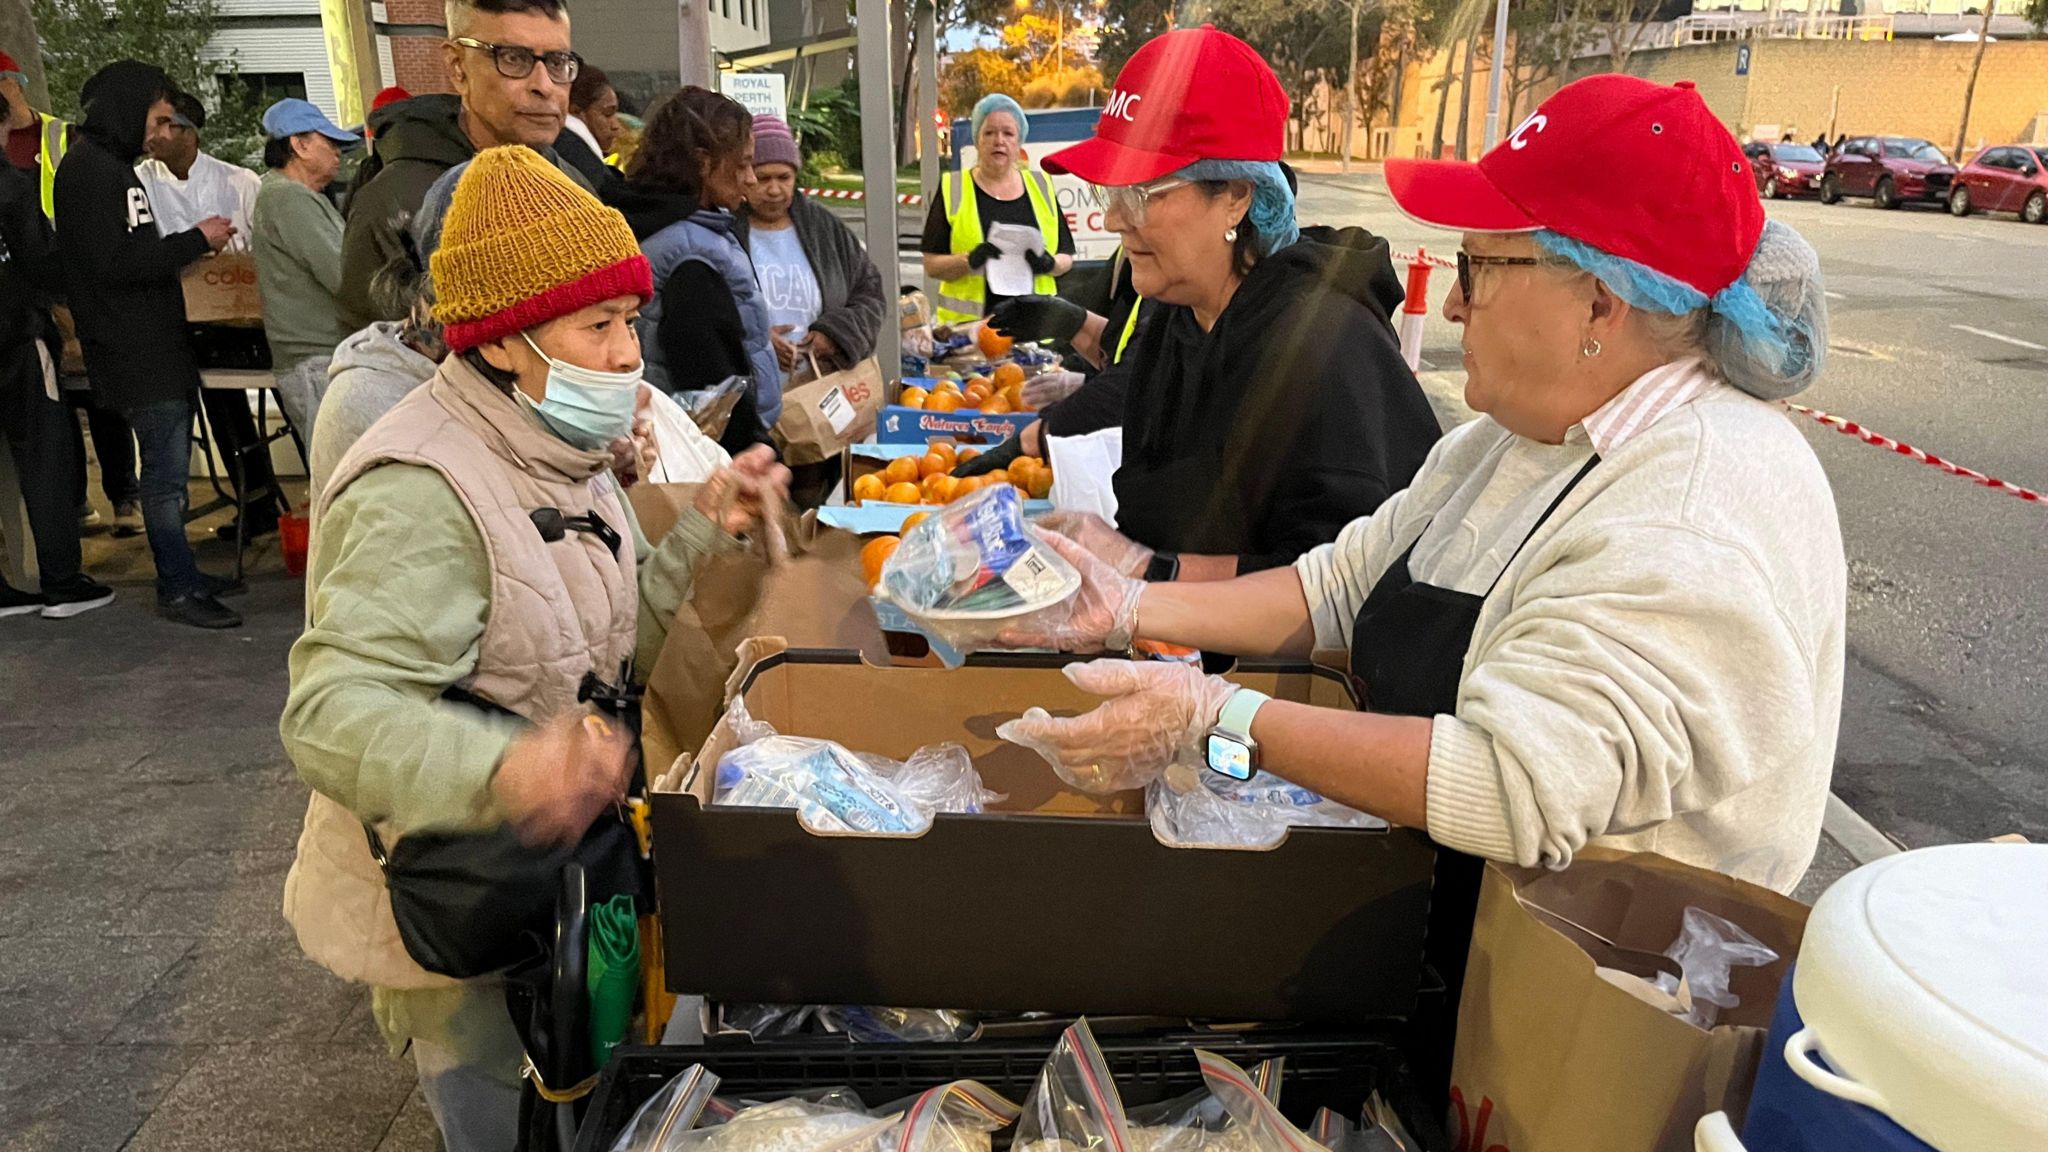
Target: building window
{"points": [[726, 6], [266, 88]]}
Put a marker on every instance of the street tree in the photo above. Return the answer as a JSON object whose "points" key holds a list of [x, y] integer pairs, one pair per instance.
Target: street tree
{"points": [[80, 37]]}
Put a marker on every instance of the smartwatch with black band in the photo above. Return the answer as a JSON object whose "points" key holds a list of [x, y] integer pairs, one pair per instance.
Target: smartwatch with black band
{"points": [[1164, 568]]}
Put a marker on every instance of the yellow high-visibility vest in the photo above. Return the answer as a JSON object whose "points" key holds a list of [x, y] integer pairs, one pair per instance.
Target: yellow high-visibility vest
{"points": [[56, 133], [965, 299], [1130, 326]]}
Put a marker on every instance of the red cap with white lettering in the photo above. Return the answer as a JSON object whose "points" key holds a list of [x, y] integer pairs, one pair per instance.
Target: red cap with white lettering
{"points": [[1638, 170], [1191, 94]]}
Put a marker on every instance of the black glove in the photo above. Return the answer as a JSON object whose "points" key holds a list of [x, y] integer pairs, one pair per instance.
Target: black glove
{"points": [[1041, 263], [1032, 318], [1000, 456], [982, 254]]}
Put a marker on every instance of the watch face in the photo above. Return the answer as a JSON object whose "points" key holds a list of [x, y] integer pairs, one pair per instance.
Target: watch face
{"points": [[1233, 758]]}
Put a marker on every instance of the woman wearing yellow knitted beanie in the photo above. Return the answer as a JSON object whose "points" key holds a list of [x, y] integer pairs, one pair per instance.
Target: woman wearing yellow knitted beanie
{"points": [[473, 560]]}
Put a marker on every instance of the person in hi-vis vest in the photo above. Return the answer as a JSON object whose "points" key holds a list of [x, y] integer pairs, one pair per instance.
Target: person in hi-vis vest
{"points": [[1003, 191]]}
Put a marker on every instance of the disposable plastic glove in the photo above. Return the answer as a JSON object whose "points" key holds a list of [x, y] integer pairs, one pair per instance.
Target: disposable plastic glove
{"points": [[1157, 711], [1101, 615], [982, 254], [1095, 534], [1041, 262], [1038, 318], [1051, 387], [1001, 456]]}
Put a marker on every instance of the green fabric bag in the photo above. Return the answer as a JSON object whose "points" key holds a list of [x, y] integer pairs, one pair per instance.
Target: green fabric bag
{"points": [[613, 975]]}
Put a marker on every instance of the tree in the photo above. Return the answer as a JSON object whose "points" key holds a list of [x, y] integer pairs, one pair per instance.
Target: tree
{"points": [[18, 38], [2037, 14], [1624, 21], [970, 75], [80, 37], [1127, 24]]}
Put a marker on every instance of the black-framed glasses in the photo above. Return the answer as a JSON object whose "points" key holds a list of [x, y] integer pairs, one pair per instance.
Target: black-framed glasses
{"points": [[515, 62], [1467, 262]]}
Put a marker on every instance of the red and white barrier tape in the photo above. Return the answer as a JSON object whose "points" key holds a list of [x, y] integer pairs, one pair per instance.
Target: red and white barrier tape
{"points": [[857, 194], [1423, 257], [1851, 428]]}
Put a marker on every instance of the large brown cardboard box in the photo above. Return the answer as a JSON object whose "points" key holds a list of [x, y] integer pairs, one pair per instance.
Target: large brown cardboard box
{"points": [[221, 289], [1054, 900], [1553, 1058]]}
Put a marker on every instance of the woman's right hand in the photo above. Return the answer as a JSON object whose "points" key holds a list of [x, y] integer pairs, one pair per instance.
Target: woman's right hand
{"points": [[1095, 534], [740, 498], [1102, 616], [981, 254], [555, 779]]}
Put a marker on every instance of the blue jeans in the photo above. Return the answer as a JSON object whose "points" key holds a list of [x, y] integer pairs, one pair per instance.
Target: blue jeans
{"points": [[163, 431]]}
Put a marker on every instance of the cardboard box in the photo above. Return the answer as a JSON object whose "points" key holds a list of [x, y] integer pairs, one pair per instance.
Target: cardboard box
{"points": [[900, 425], [878, 516], [221, 289], [1060, 901]]}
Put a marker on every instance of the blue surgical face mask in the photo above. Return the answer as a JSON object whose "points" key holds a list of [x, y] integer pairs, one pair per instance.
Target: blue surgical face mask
{"points": [[584, 406]]}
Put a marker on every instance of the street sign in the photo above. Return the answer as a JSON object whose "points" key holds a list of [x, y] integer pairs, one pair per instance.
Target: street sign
{"points": [[1742, 60], [764, 93]]}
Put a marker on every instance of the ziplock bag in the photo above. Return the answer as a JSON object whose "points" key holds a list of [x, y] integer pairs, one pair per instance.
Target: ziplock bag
{"points": [[834, 1124], [670, 1114], [974, 569], [1190, 807], [1198, 1121], [1706, 948], [1251, 1109], [959, 1117], [1074, 1106], [859, 1023]]}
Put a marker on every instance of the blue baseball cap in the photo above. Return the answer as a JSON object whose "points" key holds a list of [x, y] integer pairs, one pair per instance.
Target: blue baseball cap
{"points": [[291, 116]]}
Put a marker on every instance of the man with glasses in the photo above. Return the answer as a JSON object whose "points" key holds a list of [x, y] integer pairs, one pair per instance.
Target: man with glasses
{"points": [[512, 68]]}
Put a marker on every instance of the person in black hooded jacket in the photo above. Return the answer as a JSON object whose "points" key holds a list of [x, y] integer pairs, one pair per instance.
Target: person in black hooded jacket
{"points": [[122, 283]]}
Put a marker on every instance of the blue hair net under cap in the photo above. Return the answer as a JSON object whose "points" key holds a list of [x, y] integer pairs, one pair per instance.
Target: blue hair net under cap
{"points": [[1272, 211], [1768, 332], [997, 102]]}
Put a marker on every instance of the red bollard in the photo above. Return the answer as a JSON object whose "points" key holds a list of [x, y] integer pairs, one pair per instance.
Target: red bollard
{"points": [[1415, 309]]}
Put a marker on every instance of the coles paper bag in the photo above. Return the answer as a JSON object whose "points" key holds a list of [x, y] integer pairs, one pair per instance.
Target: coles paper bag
{"points": [[1552, 1057], [825, 415]]}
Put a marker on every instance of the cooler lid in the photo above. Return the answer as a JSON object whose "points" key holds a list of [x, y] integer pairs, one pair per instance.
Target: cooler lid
{"points": [[1921, 976]]}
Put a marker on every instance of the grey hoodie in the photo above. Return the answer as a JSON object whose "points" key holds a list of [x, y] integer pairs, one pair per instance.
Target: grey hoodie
{"points": [[371, 372]]}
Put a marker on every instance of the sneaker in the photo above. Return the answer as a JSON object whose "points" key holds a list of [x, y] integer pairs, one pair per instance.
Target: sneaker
{"points": [[88, 516], [127, 519], [15, 602], [75, 597], [259, 526], [219, 586], [199, 610]]}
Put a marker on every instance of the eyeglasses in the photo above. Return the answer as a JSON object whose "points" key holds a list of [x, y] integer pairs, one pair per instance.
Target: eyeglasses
{"points": [[516, 63], [1467, 262], [1130, 201]]}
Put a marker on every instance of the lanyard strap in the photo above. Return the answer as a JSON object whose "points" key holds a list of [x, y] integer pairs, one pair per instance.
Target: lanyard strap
{"points": [[1538, 526]]}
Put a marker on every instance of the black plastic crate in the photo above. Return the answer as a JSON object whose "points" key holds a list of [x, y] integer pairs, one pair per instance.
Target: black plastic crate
{"points": [[1322, 1071]]}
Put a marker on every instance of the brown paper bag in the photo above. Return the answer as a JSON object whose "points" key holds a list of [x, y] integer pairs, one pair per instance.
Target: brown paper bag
{"points": [[222, 289], [825, 415], [1552, 1058], [815, 598]]}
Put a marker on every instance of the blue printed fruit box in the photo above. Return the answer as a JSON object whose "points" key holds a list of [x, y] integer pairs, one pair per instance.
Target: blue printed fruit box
{"points": [[900, 425]]}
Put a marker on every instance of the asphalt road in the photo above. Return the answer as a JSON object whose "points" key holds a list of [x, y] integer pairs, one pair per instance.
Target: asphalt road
{"points": [[1940, 339]]}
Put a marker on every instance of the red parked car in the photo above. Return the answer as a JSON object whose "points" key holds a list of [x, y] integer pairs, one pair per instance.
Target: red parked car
{"points": [[1891, 170], [1786, 169], [2010, 179]]}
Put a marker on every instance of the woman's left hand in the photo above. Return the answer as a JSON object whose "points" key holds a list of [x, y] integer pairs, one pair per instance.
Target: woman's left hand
{"points": [[740, 498], [1157, 711], [1042, 263], [634, 456], [786, 354], [820, 345]]}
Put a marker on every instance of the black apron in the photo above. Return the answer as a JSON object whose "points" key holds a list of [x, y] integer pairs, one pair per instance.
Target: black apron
{"points": [[1407, 658]]}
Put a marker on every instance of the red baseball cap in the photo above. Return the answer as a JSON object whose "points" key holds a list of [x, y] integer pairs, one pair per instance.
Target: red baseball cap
{"points": [[1191, 94], [1638, 170], [7, 63], [388, 96]]}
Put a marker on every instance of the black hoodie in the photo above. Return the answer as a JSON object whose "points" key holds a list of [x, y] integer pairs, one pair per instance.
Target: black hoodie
{"points": [[121, 276], [1293, 416]]}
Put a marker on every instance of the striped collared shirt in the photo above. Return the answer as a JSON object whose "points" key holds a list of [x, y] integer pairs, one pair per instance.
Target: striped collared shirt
{"points": [[1654, 395]]}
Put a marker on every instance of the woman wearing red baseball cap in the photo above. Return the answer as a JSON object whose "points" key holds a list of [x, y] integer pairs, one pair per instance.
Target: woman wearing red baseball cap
{"points": [[1610, 611], [1268, 404]]}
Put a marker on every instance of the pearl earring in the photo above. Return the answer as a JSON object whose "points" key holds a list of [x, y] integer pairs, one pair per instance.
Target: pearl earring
{"points": [[1230, 236]]}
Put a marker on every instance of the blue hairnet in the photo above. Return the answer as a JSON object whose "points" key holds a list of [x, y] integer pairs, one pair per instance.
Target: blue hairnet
{"points": [[997, 102], [1272, 213], [1767, 333]]}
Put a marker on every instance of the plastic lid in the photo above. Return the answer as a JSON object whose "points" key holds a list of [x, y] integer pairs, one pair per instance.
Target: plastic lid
{"points": [[1922, 976]]}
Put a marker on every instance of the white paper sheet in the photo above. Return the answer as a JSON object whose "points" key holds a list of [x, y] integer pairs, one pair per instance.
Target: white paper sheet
{"points": [[1010, 274], [1084, 470]]}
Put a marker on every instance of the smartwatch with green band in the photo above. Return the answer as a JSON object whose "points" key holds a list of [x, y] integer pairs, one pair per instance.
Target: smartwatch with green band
{"points": [[1231, 750]]}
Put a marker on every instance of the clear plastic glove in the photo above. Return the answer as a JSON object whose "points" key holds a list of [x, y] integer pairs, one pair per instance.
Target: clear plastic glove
{"points": [[1101, 616], [1051, 387], [1096, 535], [1157, 711]]}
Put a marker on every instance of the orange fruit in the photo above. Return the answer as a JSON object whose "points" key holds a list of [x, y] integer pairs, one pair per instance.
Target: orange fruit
{"points": [[870, 487], [901, 470], [998, 406], [952, 386], [903, 493], [1015, 395], [967, 454], [999, 476], [1009, 376], [932, 464], [944, 448], [913, 397], [1041, 484], [874, 554], [984, 381], [944, 402], [992, 343], [938, 489], [913, 520], [1022, 467], [962, 489], [977, 395]]}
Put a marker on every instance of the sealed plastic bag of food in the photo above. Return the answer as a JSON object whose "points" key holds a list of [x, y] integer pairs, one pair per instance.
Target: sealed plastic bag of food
{"points": [[1251, 1109], [1074, 1107], [1191, 807], [975, 569], [792, 1125], [872, 1025], [1198, 1121], [963, 1116], [939, 778], [670, 1114]]}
